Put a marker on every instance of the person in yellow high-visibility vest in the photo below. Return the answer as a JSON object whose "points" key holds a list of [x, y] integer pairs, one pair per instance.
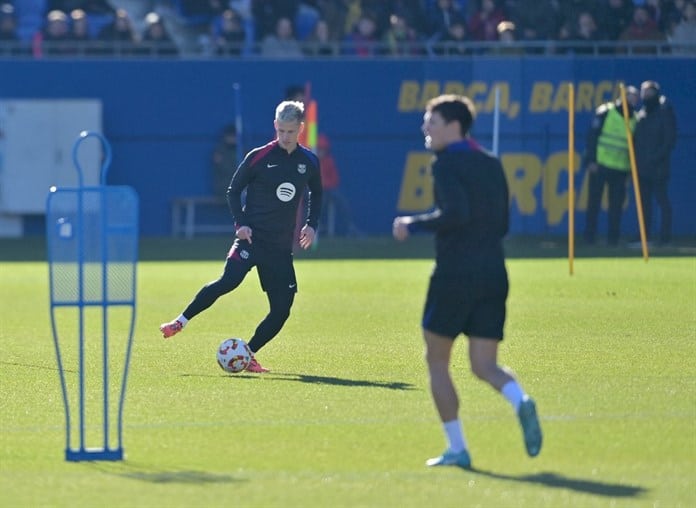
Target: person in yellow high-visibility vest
{"points": [[607, 161]]}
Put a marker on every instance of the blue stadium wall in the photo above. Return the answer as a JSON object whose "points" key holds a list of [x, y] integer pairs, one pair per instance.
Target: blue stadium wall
{"points": [[163, 119]]}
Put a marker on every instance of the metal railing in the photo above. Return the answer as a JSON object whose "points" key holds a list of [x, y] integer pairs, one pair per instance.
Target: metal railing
{"points": [[333, 50]]}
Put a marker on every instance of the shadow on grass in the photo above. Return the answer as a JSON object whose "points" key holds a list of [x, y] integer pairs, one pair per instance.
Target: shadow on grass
{"points": [[558, 481], [40, 367], [337, 381], [148, 474], [320, 380]]}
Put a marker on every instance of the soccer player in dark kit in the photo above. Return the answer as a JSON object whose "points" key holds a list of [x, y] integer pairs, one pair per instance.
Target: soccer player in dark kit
{"points": [[275, 177], [469, 285]]}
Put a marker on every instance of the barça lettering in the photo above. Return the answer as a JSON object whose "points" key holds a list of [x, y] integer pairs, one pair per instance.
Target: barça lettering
{"points": [[543, 97], [534, 184]]}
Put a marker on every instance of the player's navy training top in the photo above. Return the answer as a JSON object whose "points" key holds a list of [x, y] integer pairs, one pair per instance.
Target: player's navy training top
{"points": [[471, 208], [275, 181]]}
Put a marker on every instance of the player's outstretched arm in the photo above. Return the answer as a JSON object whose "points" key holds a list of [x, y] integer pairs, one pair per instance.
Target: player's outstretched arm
{"points": [[400, 228]]}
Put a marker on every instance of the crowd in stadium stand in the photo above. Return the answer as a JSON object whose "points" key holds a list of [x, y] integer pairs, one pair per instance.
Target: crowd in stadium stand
{"points": [[361, 28]]}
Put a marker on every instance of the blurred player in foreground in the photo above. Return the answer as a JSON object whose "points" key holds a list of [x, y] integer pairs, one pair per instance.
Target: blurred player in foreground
{"points": [[275, 176], [469, 285]]}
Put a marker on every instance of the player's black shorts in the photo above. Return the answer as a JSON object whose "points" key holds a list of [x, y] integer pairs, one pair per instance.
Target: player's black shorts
{"points": [[274, 267], [462, 304]]}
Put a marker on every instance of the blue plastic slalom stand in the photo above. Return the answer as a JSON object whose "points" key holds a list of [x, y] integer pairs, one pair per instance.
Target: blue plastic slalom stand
{"points": [[92, 241]]}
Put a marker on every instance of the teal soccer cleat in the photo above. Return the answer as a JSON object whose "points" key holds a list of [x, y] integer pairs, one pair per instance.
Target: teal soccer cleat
{"points": [[530, 427], [460, 459]]}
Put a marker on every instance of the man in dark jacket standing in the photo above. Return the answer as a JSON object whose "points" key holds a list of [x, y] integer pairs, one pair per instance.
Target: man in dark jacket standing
{"points": [[654, 140]]}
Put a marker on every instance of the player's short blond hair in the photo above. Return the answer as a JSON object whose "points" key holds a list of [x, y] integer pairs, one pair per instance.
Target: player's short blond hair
{"points": [[290, 111]]}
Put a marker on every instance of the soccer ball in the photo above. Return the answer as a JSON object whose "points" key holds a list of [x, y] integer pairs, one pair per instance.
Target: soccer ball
{"points": [[233, 355]]}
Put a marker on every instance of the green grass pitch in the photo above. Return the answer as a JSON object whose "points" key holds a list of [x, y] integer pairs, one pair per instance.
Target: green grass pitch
{"points": [[345, 417]]}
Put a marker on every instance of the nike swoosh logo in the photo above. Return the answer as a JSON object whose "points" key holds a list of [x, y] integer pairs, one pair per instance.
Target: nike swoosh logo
{"points": [[271, 165], [292, 286]]}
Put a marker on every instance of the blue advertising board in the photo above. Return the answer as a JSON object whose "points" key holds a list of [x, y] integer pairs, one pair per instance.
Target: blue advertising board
{"points": [[164, 117]]}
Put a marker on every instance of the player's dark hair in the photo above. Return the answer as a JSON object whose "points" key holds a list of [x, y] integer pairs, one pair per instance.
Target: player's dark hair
{"points": [[454, 108], [650, 84]]}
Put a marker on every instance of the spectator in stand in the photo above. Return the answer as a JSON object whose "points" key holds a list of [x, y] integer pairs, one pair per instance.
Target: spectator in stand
{"points": [[401, 39], [243, 8], [333, 201], [641, 30], [267, 13], [228, 33], [660, 13], [614, 17], [79, 32], [363, 40], [53, 39], [675, 13], [119, 35], [483, 24], [350, 12], [585, 34], [88, 6], [281, 44], [305, 20], [440, 16], [535, 20], [380, 11], [355, 10], [570, 10], [320, 42], [455, 42], [507, 41], [563, 37], [156, 40], [334, 12], [414, 12], [10, 43], [8, 23], [684, 35]]}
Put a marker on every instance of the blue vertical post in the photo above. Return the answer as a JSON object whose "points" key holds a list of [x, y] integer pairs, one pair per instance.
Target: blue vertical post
{"points": [[238, 123]]}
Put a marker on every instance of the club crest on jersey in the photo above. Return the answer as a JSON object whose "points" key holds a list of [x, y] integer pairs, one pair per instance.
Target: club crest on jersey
{"points": [[244, 254], [285, 192], [302, 168]]}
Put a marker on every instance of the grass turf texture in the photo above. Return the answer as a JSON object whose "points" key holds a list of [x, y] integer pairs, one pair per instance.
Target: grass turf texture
{"points": [[345, 417]]}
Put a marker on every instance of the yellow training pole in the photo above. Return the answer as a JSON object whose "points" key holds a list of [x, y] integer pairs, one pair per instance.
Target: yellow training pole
{"points": [[571, 176], [634, 173]]}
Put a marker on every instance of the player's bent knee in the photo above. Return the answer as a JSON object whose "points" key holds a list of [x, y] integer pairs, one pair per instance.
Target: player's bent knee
{"points": [[483, 371], [224, 285]]}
